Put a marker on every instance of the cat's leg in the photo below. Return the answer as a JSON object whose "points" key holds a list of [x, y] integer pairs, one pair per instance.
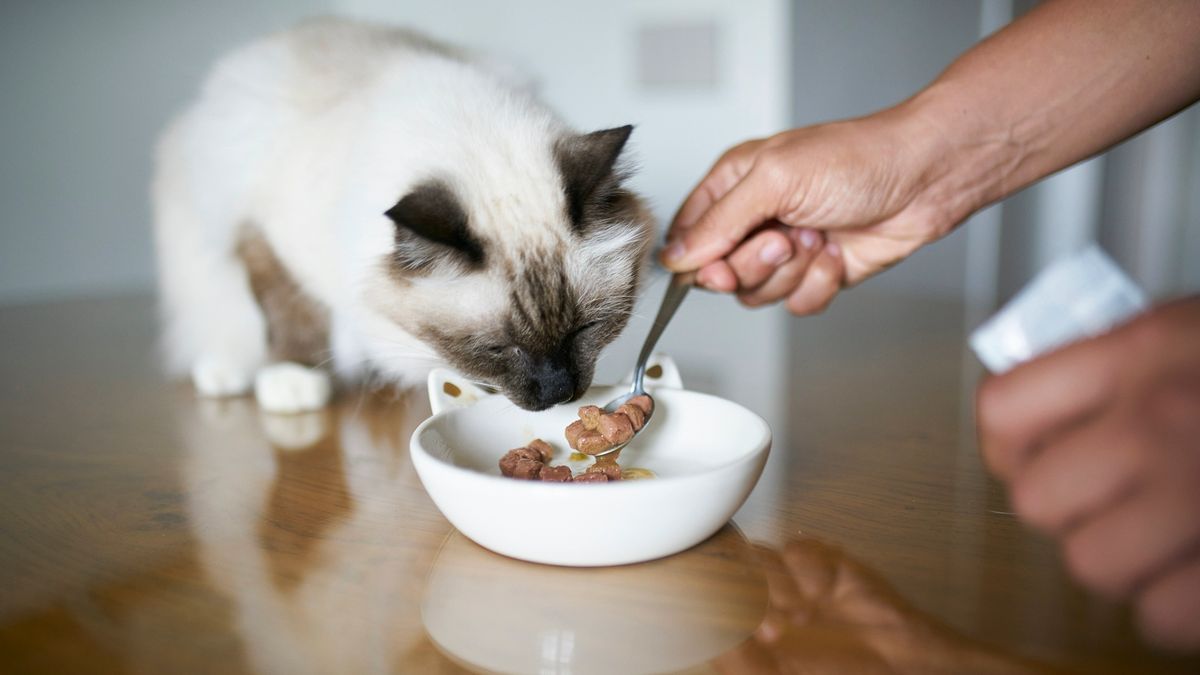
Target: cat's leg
{"points": [[297, 327], [213, 328]]}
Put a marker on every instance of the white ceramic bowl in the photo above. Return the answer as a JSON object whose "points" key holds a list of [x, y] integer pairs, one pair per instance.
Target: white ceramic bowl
{"points": [[707, 453]]}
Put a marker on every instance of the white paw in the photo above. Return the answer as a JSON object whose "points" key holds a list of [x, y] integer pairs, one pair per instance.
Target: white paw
{"points": [[291, 388], [215, 377]]}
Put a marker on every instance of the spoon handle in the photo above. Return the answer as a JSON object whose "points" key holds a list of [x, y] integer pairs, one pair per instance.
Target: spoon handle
{"points": [[678, 288]]}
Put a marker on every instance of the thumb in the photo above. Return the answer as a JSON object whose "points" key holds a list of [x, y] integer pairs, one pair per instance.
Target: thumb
{"points": [[722, 227]]}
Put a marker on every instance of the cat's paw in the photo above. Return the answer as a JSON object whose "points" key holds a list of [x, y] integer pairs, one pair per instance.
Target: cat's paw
{"points": [[291, 388], [215, 378]]}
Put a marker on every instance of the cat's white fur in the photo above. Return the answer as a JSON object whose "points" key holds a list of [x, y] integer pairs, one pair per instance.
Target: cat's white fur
{"points": [[310, 135]]}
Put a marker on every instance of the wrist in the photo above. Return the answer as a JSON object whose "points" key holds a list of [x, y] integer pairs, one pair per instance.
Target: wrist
{"points": [[964, 160]]}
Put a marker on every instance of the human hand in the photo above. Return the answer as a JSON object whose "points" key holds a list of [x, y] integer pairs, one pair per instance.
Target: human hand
{"points": [[805, 212], [1099, 445]]}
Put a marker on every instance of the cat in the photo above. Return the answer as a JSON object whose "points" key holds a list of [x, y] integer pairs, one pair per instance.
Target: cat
{"points": [[359, 200]]}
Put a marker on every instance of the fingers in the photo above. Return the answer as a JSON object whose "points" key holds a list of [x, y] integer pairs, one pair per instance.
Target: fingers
{"points": [[1079, 474], [724, 174], [822, 281], [1136, 539], [1168, 611], [717, 276], [1017, 410], [786, 278], [757, 259], [782, 593], [812, 566], [722, 227], [709, 190]]}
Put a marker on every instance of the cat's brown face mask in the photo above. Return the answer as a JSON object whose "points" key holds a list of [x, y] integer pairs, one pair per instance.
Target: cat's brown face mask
{"points": [[535, 302]]}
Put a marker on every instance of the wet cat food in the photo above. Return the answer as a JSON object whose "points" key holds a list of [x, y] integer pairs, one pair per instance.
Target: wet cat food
{"points": [[597, 431], [542, 448], [527, 469], [508, 463], [556, 474], [533, 463], [608, 469]]}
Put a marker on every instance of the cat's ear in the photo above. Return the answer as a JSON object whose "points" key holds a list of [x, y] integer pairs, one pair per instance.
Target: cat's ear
{"points": [[587, 163], [431, 226]]}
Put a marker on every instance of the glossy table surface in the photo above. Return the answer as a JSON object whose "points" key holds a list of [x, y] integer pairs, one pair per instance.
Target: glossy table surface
{"points": [[143, 530]]}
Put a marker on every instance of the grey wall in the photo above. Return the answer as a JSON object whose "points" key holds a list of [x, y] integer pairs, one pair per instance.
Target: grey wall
{"points": [[86, 88], [853, 57]]}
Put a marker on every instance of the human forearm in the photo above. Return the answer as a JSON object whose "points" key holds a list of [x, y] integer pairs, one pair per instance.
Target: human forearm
{"points": [[1059, 85]]}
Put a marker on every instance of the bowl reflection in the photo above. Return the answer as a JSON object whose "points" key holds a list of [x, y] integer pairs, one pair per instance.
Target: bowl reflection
{"points": [[505, 615]]}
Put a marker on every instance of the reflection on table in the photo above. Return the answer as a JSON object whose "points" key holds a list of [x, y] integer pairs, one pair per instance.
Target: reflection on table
{"points": [[144, 530]]}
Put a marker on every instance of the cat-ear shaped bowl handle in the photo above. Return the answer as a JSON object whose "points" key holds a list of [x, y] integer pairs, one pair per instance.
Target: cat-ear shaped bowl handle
{"points": [[661, 371], [449, 390]]}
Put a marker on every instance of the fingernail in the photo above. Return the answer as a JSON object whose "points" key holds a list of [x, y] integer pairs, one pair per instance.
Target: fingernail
{"points": [[774, 253], [808, 238], [702, 280], [833, 249], [673, 252]]}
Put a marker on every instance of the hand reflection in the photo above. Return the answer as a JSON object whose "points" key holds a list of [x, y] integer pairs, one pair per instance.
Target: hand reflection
{"points": [[830, 614]]}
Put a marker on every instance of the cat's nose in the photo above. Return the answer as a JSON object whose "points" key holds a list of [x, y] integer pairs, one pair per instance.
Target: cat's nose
{"points": [[552, 382]]}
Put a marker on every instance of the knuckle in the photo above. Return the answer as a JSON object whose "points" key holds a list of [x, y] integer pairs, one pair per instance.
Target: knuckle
{"points": [[739, 150], [772, 166]]}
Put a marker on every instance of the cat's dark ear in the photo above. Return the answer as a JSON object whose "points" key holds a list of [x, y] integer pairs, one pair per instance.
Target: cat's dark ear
{"points": [[431, 225], [587, 163]]}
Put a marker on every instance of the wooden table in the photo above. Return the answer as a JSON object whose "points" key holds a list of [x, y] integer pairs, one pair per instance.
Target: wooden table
{"points": [[143, 530]]}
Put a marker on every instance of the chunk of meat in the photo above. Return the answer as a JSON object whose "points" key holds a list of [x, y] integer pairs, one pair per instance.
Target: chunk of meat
{"points": [[527, 469], [616, 428], [508, 463], [590, 478], [542, 448], [590, 416], [607, 468], [573, 432], [593, 443], [637, 418], [556, 474], [644, 402]]}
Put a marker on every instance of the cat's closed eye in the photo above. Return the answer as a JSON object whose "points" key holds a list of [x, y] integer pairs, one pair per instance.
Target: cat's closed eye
{"points": [[588, 326]]}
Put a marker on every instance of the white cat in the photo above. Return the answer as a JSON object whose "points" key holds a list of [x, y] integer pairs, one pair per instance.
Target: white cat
{"points": [[363, 198]]}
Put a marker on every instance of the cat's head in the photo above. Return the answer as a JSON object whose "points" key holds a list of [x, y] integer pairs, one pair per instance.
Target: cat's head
{"points": [[518, 269]]}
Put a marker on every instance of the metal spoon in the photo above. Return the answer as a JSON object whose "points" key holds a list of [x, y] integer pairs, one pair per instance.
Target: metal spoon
{"points": [[680, 284]]}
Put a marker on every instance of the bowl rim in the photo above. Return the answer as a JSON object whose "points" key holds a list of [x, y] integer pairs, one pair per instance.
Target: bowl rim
{"points": [[760, 447]]}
